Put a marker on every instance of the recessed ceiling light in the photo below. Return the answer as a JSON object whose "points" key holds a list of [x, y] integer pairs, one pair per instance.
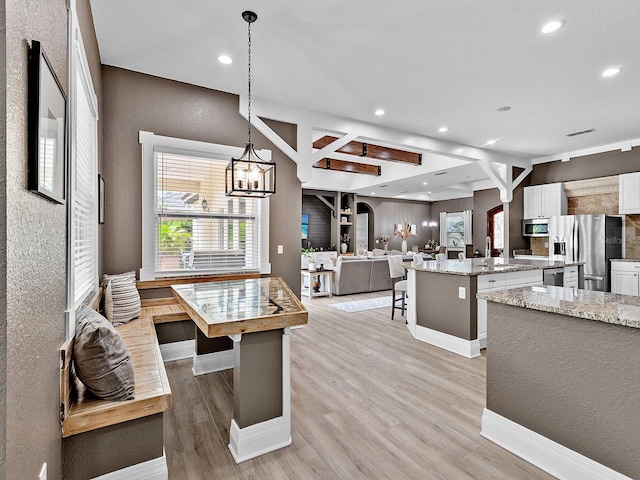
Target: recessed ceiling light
{"points": [[379, 112], [491, 142], [424, 183], [225, 59], [610, 72], [443, 129], [373, 193], [552, 26]]}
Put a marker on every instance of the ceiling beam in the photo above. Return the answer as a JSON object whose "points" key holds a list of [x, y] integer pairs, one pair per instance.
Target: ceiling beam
{"points": [[369, 150], [350, 167]]}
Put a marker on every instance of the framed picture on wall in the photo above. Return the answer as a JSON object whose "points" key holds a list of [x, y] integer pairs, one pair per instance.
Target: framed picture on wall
{"points": [[46, 112]]}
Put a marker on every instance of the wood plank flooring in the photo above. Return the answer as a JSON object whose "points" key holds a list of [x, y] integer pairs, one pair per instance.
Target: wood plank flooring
{"points": [[367, 402]]}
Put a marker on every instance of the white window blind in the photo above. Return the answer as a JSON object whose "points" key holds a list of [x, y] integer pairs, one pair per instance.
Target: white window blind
{"points": [[198, 228], [85, 247]]}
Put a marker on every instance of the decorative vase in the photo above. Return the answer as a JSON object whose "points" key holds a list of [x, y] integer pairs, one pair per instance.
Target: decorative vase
{"points": [[312, 266], [316, 286], [386, 247], [343, 247], [404, 246]]}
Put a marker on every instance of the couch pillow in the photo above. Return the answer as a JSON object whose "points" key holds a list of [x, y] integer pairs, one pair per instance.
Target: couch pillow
{"points": [[102, 361], [378, 252], [395, 252], [121, 299]]}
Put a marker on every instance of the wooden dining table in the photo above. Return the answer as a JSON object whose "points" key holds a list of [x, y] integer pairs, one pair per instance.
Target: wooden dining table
{"points": [[257, 314]]}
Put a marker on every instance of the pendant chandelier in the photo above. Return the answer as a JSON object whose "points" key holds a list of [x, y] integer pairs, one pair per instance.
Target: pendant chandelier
{"points": [[249, 175]]}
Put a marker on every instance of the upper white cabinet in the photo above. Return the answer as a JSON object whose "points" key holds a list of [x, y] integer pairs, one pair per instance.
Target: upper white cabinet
{"points": [[544, 201], [629, 193]]}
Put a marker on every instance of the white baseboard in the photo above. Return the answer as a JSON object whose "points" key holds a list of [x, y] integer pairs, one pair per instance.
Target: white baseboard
{"points": [[177, 350], [212, 362], [550, 456], [155, 469], [466, 348], [255, 440], [482, 339]]}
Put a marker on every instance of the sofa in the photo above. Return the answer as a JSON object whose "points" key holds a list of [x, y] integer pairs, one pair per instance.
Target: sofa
{"points": [[362, 274]]}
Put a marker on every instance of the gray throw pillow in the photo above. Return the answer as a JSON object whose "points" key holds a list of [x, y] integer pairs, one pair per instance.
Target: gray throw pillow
{"points": [[102, 361]]}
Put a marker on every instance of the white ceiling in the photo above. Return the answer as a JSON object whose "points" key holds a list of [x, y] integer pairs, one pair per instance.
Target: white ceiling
{"points": [[427, 64]]}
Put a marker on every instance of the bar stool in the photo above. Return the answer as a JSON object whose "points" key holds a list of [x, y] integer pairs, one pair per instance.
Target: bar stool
{"points": [[397, 273]]}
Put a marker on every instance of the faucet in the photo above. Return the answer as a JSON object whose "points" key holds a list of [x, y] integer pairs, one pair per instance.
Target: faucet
{"points": [[487, 251]]}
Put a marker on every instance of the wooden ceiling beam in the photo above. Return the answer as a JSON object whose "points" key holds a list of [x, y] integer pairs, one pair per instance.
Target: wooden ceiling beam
{"points": [[350, 167], [369, 150]]}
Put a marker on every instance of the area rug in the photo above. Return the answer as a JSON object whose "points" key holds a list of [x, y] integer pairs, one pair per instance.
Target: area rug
{"points": [[361, 305]]}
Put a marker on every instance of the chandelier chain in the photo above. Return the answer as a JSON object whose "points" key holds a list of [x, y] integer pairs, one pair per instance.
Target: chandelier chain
{"points": [[249, 75]]}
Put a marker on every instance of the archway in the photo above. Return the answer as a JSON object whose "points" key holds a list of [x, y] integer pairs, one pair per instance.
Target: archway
{"points": [[365, 222]]}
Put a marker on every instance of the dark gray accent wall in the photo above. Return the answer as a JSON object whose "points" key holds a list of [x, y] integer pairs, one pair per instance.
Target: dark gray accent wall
{"points": [[590, 166], [134, 102], [319, 222], [388, 212], [572, 380]]}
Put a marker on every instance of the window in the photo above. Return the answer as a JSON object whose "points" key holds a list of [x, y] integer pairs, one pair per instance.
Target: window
{"points": [[82, 207], [189, 225], [495, 225]]}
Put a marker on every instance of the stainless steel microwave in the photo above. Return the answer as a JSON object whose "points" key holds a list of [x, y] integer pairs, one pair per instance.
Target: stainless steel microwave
{"points": [[535, 227]]}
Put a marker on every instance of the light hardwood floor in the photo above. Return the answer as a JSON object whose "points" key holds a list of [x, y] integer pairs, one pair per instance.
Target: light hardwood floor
{"points": [[368, 402]]}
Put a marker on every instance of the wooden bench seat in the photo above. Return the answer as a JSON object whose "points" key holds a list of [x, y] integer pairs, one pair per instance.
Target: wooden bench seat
{"points": [[152, 394]]}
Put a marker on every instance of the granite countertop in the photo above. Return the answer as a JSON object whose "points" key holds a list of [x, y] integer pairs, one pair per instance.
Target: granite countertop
{"points": [[484, 266], [591, 305], [625, 260]]}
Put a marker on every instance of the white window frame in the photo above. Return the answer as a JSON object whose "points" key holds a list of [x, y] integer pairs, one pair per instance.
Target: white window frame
{"points": [[152, 143], [78, 64]]}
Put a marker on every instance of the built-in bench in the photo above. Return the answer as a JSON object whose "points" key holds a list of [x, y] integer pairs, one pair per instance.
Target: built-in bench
{"points": [[102, 436]]}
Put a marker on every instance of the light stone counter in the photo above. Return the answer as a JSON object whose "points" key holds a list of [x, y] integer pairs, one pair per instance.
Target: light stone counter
{"points": [[625, 260], [590, 305], [484, 266]]}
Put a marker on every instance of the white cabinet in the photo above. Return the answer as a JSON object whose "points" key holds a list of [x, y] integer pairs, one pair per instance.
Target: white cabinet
{"points": [[629, 193], [498, 281], [570, 277], [544, 201], [625, 278]]}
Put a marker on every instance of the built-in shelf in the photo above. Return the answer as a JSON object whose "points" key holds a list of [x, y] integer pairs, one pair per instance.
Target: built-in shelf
{"points": [[346, 223], [344, 212]]}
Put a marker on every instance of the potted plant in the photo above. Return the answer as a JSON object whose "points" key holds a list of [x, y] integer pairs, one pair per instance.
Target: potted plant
{"points": [[307, 254]]}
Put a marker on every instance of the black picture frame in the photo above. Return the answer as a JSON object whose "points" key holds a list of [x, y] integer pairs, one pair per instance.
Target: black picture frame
{"points": [[100, 199], [47, 127]]}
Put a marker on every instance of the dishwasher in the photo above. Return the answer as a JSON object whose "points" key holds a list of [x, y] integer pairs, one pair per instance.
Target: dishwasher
{"points": [[553, 276]]}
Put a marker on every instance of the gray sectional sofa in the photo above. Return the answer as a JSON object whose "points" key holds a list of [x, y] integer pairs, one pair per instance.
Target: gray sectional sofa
{"points": [[361, 274]]}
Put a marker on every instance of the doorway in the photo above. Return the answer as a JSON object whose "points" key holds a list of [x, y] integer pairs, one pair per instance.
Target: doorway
{"points": [[495, 230], [364, 227]]}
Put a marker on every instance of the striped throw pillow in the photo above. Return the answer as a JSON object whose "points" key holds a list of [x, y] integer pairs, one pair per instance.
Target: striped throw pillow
{"points": [[121, 299]]}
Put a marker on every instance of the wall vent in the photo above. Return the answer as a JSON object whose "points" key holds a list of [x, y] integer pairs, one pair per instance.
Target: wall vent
{"points": [[581, 132], [440, 173]]}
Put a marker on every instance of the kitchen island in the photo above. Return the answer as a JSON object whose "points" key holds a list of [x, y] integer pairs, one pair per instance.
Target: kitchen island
{"points": [[563, 382], [442, 307]]}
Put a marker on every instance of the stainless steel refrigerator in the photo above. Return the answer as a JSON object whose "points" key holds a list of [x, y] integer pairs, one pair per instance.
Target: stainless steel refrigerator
{"points": [[592, 239]]}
